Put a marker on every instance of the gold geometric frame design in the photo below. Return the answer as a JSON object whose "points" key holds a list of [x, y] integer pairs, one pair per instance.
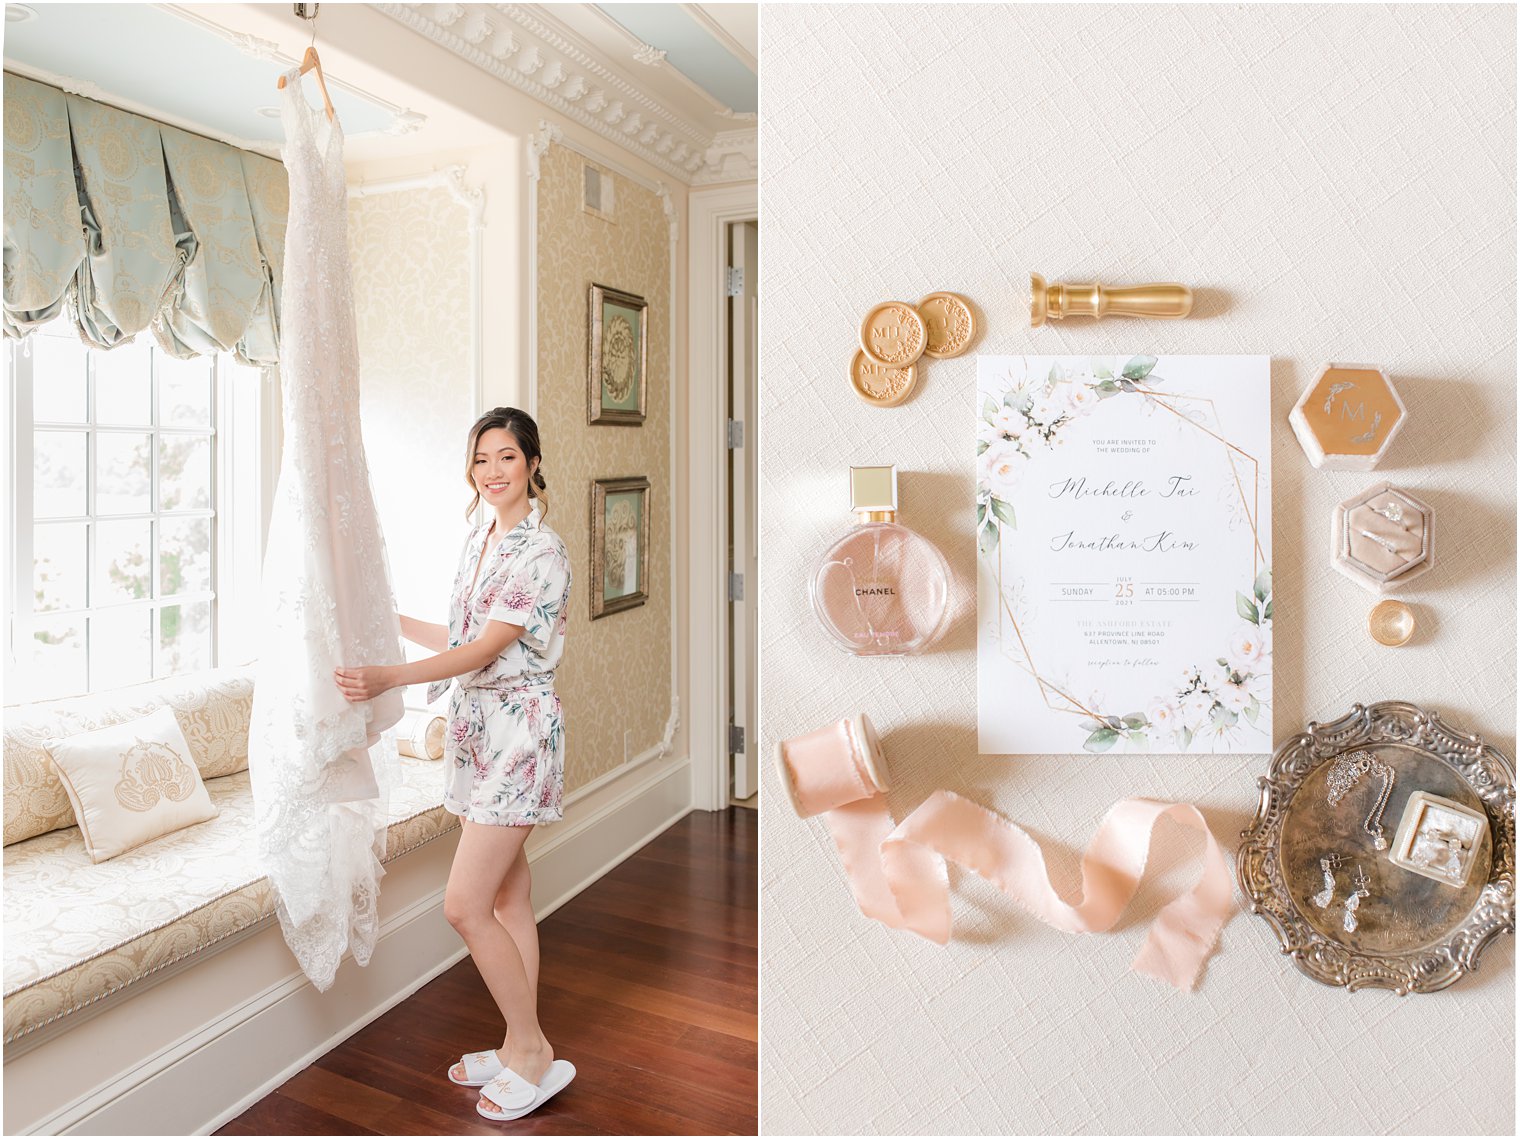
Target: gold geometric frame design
{"points": [[1252, 510]]}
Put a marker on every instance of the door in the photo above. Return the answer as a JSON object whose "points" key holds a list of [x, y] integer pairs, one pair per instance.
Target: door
{"points": [[743, 555]]}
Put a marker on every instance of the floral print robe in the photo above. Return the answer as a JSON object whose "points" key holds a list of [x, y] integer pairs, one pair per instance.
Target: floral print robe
{"points": [[504, 749]]}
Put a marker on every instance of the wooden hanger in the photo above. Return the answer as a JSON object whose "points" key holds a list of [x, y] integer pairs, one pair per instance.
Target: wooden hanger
{"points": [[312, 62]]}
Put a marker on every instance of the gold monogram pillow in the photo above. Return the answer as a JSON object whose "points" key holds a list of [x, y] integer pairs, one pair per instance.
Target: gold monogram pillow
{"points": [[131, 783]]}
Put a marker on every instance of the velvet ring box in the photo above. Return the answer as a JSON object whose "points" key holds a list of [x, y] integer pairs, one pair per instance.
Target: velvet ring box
{"points": [[1348, 417], [1383, 538]]}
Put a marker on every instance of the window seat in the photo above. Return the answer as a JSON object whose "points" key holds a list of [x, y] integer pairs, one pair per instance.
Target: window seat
{"points": [[77, 932]]}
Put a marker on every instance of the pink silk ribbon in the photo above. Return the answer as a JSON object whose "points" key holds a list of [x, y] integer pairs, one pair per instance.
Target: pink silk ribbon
{"points": [[898, 872]]}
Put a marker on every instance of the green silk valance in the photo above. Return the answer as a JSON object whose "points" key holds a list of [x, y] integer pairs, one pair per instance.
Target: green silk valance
{"points": [[138, 225]]}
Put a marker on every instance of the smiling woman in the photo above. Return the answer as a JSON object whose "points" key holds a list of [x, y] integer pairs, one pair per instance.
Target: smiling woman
{"points": [[504, 745]]}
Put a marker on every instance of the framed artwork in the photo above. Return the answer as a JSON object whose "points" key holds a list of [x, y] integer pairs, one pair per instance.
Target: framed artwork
{"points": [[617, 357], [619, 545]]}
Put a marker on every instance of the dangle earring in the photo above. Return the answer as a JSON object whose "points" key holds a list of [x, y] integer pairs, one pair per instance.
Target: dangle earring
{"points": [[1352, 902], [1327, 865]]}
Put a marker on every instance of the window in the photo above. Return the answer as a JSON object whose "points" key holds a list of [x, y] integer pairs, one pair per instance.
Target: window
{"points": [[124, 489]]}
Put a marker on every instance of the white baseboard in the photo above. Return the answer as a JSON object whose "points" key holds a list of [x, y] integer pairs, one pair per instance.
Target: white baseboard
{"points": [[197, 1050]]}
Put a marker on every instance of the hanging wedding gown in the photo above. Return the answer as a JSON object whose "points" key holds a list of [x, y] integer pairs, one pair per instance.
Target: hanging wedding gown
{"points": [[320, 767]]}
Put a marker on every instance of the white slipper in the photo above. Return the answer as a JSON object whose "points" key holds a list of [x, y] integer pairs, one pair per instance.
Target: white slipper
{"points": [[480, 1068], [517, 1097]]}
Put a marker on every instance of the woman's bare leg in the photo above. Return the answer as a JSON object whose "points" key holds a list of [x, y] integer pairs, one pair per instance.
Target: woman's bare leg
{"points": [[514, 910], [481, 864]]}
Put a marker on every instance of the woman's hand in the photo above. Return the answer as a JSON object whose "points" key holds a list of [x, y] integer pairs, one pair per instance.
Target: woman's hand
{"points": [[360, 684]]}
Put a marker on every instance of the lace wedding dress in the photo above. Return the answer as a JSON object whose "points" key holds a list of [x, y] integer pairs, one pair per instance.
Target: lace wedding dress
{"points": [[321, 768]]}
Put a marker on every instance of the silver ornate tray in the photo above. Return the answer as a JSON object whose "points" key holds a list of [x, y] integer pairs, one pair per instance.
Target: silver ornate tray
{"points": [[1312, 854]]}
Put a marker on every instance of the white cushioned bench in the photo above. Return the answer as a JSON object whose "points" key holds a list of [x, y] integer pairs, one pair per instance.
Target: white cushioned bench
{"points": [[78, 933]]}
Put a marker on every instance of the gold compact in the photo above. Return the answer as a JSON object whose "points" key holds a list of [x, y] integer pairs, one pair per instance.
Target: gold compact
{"points": [[894, 334], [881, 385], [1347, 418], [1056, 302], [950, 322]]}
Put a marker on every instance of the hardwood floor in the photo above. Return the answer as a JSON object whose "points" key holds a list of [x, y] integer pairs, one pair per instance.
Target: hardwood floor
{"points": [[648, 986]]}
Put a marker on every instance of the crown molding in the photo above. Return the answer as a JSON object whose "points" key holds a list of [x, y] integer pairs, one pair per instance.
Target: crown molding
{"points": [[721, 34], [649, 55], [538, 56], [732, 157]]}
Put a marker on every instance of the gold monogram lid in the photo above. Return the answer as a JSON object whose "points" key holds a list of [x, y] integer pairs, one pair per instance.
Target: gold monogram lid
{"points": [[1348, 417], [873, 493]]}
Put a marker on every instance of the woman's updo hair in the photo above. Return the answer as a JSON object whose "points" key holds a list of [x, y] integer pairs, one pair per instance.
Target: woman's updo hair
{"points": [[519, 424]]}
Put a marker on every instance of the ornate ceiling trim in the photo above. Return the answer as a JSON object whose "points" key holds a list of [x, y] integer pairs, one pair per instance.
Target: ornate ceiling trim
{"points": [[512, 43]]}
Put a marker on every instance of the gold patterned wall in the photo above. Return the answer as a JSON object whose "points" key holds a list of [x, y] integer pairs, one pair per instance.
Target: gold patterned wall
{"points": [[616, 674]]}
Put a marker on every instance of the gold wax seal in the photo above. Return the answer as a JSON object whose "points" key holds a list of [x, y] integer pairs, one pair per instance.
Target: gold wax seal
{"points": [[881, 385], [1391, 623], [893, 333], [950, 324]]}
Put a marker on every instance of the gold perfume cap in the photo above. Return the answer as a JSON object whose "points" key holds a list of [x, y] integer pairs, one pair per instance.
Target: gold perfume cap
{"points": [[873, 493]]}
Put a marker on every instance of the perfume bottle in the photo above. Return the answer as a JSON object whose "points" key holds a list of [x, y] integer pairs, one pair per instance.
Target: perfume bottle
{"points": [[881, 590]]}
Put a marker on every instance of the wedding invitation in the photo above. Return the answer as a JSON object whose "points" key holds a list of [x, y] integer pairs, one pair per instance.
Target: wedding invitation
{"points": [[1124, 560]]}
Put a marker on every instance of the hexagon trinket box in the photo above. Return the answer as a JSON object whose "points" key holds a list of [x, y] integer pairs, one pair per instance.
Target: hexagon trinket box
{"points": [[1383, 538], [1347, 418]]}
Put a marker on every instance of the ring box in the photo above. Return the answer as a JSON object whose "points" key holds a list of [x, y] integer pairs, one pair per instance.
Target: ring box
{"points": [[1347, 418], [1438, 838], [1383, 538]]}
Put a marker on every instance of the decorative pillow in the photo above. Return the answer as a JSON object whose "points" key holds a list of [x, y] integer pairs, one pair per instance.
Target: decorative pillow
{"points": [[212, 708], [131, 783]]}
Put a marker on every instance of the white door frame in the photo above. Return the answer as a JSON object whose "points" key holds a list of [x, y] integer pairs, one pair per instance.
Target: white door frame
{"points": [[711, 213]]}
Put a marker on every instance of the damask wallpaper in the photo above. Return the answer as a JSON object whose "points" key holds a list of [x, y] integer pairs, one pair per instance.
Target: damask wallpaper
{"points": [[411, 264], [615, 681]]}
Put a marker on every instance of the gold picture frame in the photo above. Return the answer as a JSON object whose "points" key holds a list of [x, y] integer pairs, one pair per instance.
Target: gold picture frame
{"points": [[619, 545], [617, 357]]}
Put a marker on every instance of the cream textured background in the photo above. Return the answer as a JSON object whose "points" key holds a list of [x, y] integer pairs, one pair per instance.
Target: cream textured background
{"points": [[1338, 184], [616, 676]]}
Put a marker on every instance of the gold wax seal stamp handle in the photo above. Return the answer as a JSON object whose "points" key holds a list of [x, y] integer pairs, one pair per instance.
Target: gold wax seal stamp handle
{"points": [[1056, 302]]}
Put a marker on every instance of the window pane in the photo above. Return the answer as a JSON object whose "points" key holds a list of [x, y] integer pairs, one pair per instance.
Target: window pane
{"points": [[59, 372], [184, 472], [57, 664], [58, 566], [184, 556], [119, 652], [123, 383], [58, 467], [122, 568], [184, 390], [122, 472], [184, 638]]}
